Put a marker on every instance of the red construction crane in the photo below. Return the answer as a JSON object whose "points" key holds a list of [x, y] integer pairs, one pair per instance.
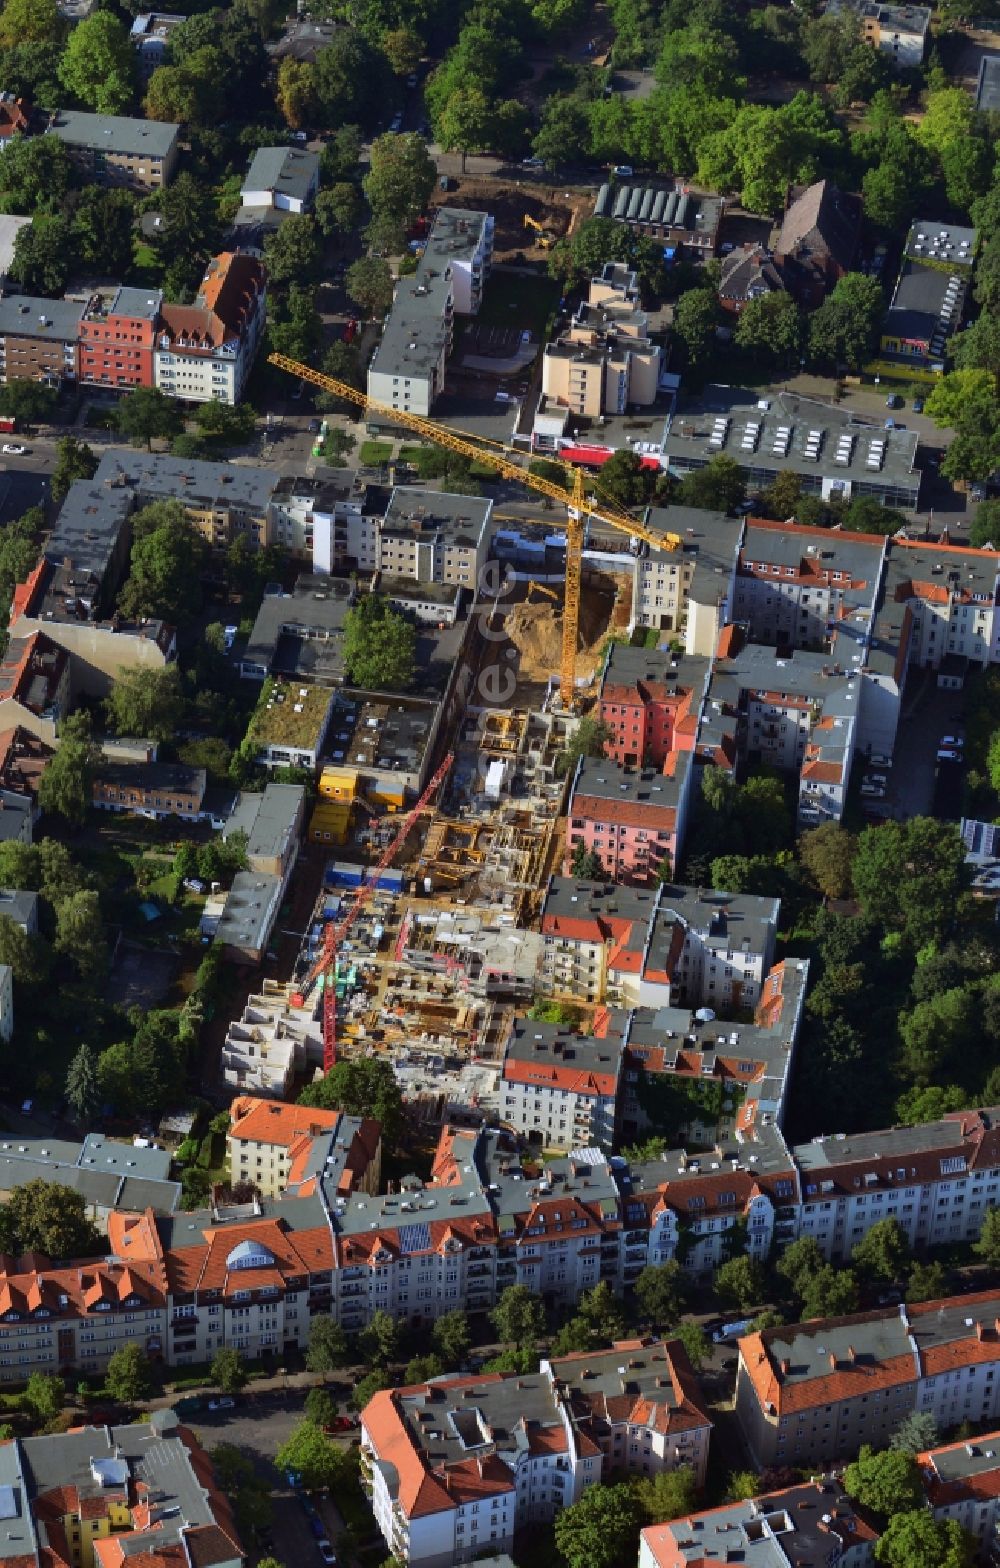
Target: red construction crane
{"points": [[333, 936]]}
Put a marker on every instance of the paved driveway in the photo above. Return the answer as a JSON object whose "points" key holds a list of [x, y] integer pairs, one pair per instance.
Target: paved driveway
{"points": [[928, 713]]}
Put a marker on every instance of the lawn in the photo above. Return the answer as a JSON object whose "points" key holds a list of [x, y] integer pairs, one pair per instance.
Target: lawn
{"points": [[374, 453], [511, 300]]}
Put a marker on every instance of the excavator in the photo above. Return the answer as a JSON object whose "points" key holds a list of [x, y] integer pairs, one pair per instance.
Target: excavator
{"points": [[509, 464], [544, 237]]}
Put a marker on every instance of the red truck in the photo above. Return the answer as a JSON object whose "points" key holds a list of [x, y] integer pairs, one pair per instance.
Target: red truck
{"points": [[7, 425]]}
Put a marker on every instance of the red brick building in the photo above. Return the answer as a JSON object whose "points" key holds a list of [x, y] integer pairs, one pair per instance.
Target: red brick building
{"points": [[117, 339], [650, 701]]}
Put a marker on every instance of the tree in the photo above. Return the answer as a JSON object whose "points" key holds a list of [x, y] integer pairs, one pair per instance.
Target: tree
{"points": [[918, 1540], [718, 487], [83, 1092], [31, 70], [601, 1530], [320, 1407], [830, 1293], [229, 1371], [937, 1031], [887, 1482], [588, 739], [295, 94], [74, 460], [740, 1282], [146, 702], [987, 1246], [44, 1395], [102, 230], [669, 1495], [908, 875], [369, 284], [98, 65], [190, 229], [352, 81], [29, 402], [41, 261], [770, 329], [883, 1253], [696, 317], [928, 1103], [420, 1369], [146, 413], [564, 136], [598, 1322], [519, 1316], [661, 1293], [466, 122], [227, 425], [339, 209], [451, 1337], [35, 174], [29, 21], [984, 529], [695, 1342], [826, 854], [843, 331], [22, 953], [400, 179], [293, 253], [368, 1387], [309, 1453], [927, 1282], [168, 556], [80, 935], [361, 1086], [380, 1337], [129, 1378], [66, 785], [915, 1433], [379, 645], [327, 1346]]}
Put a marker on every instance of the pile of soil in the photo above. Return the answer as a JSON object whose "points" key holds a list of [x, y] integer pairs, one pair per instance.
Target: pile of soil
{"points": [[536, 629], [557, 213]]}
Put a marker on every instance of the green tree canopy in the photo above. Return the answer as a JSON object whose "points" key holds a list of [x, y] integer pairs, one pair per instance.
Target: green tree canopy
{"points": [[66, 785], [74, 460], [327, 1348], [44, 1216], [519, 1316], [379, 645], [888, 1483], [918, 1540], [883, 1253], [908, 875], [168, 557], [661, 1291], [229, 1372], [361, 1086], [29, 21], [369, 284], [309, 1453], [44, 1395], [35, 174], [739, 1282], [844, 329], [146, 413], [83, 1092], [826, 854], [602, 1529], [98, 64], [146, 702], [452, 1337]]}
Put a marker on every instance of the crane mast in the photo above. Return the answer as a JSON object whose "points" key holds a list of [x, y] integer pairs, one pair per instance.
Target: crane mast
{"points": [[507, 463], [336, 931]]}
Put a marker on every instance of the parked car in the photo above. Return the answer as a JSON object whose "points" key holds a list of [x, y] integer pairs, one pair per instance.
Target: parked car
{"points": [[327, 1553], [532, 163], [731, 1331], [225, 1403], [894, 400], [918, 405], [318, 1528], [947, 754], [12, 449], [873, 791], [624, 171], [876, 778], [880, 759], [343, 1424], [411, 80], [953, 742], [396, 123]]}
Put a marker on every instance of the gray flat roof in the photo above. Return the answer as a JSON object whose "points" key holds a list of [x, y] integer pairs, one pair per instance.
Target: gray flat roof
{"points": [[988, 86], [918, 301], [380, 735], [245, 919], [798, 1528], [415, 331], [115, 133], [87, 530], [720, 918], [19, 906], [601, 779], [290, 171], [416, 513], [931, 240], [107, 1174], [266, 818], [546, 1046], [312, 618], [157, 475], [794, 433], [23, 315], [167, 776]]}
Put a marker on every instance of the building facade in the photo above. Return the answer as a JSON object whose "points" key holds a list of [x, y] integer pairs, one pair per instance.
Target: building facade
{"points": [[112, 149]]}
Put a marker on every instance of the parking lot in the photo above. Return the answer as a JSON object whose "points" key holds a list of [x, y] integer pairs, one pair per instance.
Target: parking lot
{"points": [[918, 784]]}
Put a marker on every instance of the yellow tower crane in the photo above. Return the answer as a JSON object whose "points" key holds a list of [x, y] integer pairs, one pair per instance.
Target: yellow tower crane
{"points": [[506, 463]]}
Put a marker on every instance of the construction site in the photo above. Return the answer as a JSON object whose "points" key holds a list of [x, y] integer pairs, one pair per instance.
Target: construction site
{"points": [[556, 213]]}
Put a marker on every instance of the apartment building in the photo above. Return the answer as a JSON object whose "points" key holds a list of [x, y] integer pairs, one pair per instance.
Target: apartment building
{"points": [[432, 537], [117, 338], [898, 31], [331, 524], [150, 34], [272, 822], [928, 300], [455, 1467], [150, 789], [815, 1522], [605, 360], [634, 820], [23, 760], [39, 338], [817, 241], [961, 1481], [112, 149], [205, 352], [289, 726], [812, 1393], [100, 1496], [223, 501], [560, 1089], [284, 179], [688, 591], [278, 1147], [407, 370], [946, 597], [650, 701], [34, 686], [936, 1180], [667, 946], [832, 452], [796, 587]]}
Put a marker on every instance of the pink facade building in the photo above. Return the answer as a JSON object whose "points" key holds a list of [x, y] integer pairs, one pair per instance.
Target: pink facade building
{"points": [[632, 820], [650, 701]]}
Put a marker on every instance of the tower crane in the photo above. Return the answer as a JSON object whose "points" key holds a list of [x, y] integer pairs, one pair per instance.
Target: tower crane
{"points": [[336, 931], [506, 462]]}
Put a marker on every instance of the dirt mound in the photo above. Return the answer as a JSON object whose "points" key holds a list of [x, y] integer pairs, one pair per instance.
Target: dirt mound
{"points": [[536, 628]]}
